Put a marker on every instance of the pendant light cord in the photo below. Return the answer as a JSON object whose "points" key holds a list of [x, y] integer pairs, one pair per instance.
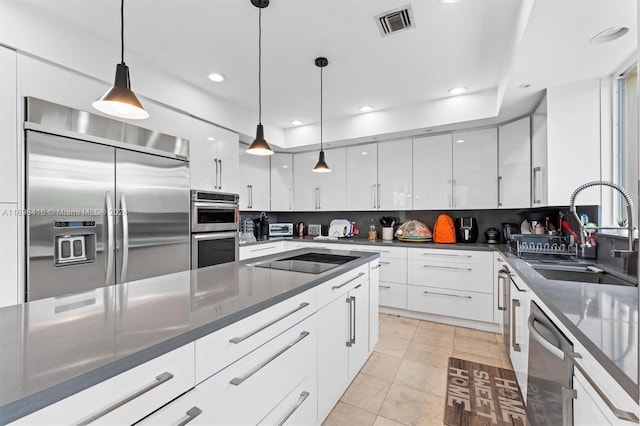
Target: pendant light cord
{"points": [[321, 108], [122, 31], [259, 65]]}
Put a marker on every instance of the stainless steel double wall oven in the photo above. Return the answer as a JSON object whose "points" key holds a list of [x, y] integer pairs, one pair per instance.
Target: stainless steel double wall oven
{"points": [[214, 228]]}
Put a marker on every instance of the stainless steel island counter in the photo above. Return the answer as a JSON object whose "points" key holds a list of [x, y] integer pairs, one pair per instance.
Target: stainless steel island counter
{"points": [[56, 347]]}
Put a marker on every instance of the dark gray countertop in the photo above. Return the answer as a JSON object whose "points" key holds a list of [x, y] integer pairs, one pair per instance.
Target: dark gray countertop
{"points": [[604, 318], [53, 348]]}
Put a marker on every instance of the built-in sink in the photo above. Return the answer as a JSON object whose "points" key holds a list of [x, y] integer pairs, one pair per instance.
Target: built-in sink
{"points": [[583, 273], [310, 263]]}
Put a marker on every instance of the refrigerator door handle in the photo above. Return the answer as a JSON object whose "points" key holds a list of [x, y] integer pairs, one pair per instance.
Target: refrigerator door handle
{"points": [[110, 238], [125, 237]]}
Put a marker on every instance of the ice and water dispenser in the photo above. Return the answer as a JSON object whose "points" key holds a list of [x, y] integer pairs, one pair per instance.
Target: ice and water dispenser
{"points": [[75, 245]]}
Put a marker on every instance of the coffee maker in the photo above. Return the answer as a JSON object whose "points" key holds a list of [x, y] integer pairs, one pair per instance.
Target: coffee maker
{"points": [[466, 229]]}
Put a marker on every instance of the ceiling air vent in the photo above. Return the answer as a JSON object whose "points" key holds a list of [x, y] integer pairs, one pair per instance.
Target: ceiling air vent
{"points": [[395, 20]]}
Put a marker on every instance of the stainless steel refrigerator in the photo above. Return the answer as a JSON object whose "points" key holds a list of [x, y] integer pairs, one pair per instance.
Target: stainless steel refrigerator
{"points": [[106, 202]]}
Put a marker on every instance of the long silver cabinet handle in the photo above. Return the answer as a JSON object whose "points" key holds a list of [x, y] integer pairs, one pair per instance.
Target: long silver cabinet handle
{"points": [[350, 337], [125, 238], [303, 396], [110, 238], [220, 184], [269, 324], [557, 352], [453, 192], [535, 185], [262, 248], [377, 266], [335, 287], [621, 414], [468, 256], [384, 286], [290, 198], [192, 413], [447, 294], [160, 379], [353, 322], [447, 267], [499, 185], [379, 251], [501, 279], [450, 192], [237, 381], [515, 303], [385, 263], [215, 161]]}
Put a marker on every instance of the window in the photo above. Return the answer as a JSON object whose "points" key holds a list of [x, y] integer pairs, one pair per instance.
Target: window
{"points": [[628, 137]]}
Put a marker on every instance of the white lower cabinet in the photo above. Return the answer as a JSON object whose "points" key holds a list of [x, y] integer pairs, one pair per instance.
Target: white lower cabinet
{"points": [[343, 340], [300, 407], [249, 389], [181, 411], [249, 252], [127, 397], [588, 406], [452, 303], [519, 333]]}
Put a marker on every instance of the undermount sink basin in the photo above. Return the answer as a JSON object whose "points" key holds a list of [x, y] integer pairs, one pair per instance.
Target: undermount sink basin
{"points": [[583, 273]]}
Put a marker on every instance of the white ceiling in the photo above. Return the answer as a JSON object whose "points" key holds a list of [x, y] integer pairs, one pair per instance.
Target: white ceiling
{"points": [[486, 45]]}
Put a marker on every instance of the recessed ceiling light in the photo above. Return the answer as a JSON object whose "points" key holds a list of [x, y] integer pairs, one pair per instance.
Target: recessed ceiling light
{"points": [[609, 34], [457, 90], [285, 167], [524, 86], [214, 76], [296, 122], [364, 153], [366, 108], [211, 138], [460, 141]]}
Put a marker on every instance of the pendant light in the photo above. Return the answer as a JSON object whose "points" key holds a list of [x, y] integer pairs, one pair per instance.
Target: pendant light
{"points": [[260, 146], [321, 166], [119, 100]]}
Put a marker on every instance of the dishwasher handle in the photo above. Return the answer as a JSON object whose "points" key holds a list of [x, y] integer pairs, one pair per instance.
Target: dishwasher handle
{"points": [[555, 350]]}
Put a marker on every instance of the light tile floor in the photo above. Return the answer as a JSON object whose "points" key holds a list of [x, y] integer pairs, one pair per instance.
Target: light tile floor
{"points": [[404, 380]]}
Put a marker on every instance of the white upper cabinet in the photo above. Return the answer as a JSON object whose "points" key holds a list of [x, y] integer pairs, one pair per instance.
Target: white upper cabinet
{"points": [[281, 182], [395, 175], [475, 169], [320, 191], [432, 172], [255, 189], [362, 177], [514, 159], [8, 127], [213, 157]]}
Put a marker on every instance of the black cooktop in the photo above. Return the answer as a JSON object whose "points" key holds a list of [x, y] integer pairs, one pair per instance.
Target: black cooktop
{"points": [[310, 263]]}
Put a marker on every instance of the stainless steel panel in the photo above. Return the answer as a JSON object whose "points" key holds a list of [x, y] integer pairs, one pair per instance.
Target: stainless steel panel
{"points": [[59, 119], [155, 192], [68, 180]]}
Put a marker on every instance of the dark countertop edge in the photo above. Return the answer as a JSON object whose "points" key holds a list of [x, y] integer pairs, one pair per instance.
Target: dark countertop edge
{"points": [[381, 243], [623, 379], [41, 399]]}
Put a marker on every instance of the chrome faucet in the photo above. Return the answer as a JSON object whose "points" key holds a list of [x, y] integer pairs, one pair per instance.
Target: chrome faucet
{"points": [[626, 254]]}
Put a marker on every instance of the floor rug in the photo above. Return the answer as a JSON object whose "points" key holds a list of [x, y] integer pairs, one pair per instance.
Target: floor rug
{"points": [[479, 395]]}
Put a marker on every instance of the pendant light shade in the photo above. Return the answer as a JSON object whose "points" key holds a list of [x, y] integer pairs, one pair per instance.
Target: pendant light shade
{"points": [[259, 146], [119, 100], [321, 166]]}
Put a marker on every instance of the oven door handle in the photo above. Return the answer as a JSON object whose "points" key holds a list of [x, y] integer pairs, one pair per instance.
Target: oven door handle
{"points": [[214, 235], [214, 205]]}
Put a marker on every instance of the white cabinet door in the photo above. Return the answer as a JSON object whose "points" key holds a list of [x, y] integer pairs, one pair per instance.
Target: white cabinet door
{"points": [[281, 182], [305, 182], [359, 336], [8, 127], [9, 255], [249, 252], [227, 143], [332, 192], [395, 175], [362, 177], [254, 182], [432, 172], [588, 407], [213, 157], [475, 169], [519, 344], [539, 172], [514, 159]]}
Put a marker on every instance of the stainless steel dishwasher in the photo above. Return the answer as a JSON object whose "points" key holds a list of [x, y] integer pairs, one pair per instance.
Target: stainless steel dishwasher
{"points": [[550, 390]]}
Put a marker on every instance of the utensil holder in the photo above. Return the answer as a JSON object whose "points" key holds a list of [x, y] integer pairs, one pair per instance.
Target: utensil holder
{"points": [[387, 233]]}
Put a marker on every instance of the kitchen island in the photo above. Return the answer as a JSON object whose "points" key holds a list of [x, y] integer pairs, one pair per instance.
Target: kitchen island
{"points": [[59, 348]]}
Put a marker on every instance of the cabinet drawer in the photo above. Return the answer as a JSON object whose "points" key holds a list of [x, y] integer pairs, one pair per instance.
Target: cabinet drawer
{"points": [[452, 256], [217, 350], [340, 285], [393, 295], [300, 407], [185, 409], [155, 383], [249, 252], [385, 251], [468, 277], [452, 303], [246, 391], [393, 270]]}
